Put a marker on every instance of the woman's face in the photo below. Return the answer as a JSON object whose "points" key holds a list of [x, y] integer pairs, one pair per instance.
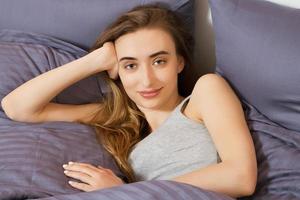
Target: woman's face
{"points": [[148, 61]]}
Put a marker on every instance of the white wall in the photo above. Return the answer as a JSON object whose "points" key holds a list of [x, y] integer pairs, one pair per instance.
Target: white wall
{"points": [[291, 3], [204, 36]]}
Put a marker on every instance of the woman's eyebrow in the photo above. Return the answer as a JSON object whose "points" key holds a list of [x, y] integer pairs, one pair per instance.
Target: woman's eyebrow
{"points": [[158, 53], [151, 56]]}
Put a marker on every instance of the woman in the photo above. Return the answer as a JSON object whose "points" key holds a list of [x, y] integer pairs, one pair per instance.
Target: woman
{"points": [[150, 128]]}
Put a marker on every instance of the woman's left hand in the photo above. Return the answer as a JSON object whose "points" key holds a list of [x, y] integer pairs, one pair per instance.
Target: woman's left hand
{"points": [[91, 177]]}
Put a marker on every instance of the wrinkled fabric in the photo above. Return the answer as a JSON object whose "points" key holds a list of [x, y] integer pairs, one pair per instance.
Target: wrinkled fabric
{"points": [[147, 190], [278, 157]]}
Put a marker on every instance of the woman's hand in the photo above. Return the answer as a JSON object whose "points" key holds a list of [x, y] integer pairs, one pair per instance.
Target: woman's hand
{"points": [[91, 177], [105, 58]]}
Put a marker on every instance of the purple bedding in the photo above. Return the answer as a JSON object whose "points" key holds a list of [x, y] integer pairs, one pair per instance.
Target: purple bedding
{"points": [[32, 154], [256, 52], [278, 157], [147, 190]]}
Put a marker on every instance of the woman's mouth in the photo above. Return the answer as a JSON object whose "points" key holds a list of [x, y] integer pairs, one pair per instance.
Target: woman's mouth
{"points": [[150, 93]]}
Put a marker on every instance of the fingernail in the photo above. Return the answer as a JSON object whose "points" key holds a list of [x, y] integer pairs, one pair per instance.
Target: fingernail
{"points": [[70, 163], [70, 182], [64, 166], [66, 171]]}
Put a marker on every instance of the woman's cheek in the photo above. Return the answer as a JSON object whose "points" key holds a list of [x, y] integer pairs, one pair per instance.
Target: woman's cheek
{"points": [[130, 85]]}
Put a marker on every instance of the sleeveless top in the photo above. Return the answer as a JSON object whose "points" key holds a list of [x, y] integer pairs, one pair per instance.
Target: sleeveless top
{"points": [[178, 146]]}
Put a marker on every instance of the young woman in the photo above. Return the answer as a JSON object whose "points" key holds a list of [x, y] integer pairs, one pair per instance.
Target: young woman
{"points": [[146, 123]]}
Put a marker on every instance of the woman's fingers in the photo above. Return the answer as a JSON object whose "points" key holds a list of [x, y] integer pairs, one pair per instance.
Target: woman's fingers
{"points": [[80, 171], [81, 167], [83, 171], [92, 177], [79, 176], [81, 186], [100, 167]]}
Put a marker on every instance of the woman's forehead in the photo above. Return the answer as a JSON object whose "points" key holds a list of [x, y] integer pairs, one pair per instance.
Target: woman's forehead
{"points": [[144, 42]]}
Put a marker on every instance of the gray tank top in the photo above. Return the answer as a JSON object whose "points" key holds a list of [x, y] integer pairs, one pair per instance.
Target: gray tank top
{"points": [[178, 146]]}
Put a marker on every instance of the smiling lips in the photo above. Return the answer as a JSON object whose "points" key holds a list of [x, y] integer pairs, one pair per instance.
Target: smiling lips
{"points": [[150, 93]]}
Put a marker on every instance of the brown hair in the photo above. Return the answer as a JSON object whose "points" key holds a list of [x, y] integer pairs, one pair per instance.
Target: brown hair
{"points": [[119, 123]]}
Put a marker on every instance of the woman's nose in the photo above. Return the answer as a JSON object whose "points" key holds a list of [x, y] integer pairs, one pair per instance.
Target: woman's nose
{"points": [[148, 76]]}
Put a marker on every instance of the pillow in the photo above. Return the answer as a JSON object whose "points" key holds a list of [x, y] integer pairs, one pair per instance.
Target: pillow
{"points": [[32, 154], [257, 51], [77, 21], [24, 55]]}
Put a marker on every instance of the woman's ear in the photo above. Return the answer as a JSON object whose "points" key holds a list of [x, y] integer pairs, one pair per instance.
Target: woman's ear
{"points": [[180, 65]]}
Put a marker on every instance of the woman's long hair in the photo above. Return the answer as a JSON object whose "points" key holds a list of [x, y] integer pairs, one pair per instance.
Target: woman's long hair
{"points": [[119, 123]]}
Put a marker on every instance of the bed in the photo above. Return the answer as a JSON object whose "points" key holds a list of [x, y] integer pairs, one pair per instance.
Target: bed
{"points": [[257, 51]]}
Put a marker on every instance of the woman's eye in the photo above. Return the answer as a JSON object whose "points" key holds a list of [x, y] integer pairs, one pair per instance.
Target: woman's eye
{"points": [[159, 62], [130, 66]]}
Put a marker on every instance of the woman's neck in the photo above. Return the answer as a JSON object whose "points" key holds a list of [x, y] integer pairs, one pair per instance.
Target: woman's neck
{"points": [[156, 117]]}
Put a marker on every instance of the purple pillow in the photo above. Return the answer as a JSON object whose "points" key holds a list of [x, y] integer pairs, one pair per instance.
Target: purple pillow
{"points": [[257, 51], [77, 22], [32, 154], [24, 56]]}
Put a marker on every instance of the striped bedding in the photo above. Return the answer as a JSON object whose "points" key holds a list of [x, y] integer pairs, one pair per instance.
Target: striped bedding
{"points": [[31, 155], [147, 190]]}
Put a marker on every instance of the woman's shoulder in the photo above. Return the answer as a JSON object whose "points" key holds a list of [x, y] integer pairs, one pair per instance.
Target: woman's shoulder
{"points": [[190, 107]]}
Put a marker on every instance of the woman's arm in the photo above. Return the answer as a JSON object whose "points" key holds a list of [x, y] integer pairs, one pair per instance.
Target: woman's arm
{"points": [[34, 96], [217, 105]]}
